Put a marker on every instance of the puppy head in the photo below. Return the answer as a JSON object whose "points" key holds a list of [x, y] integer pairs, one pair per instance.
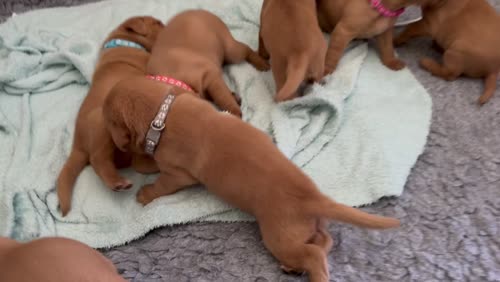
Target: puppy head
{"points": [[142, 30], [128, 111]]}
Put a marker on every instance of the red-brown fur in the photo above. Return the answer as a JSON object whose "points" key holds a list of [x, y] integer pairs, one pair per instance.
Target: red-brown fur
{"points": [[92, 142], [192, 48], [54, 260], [351, 19], [289, 35], [238, 163], [467, 31]]}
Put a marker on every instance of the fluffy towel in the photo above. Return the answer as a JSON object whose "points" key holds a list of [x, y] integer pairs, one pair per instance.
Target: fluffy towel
{"points": [[357, 136]]}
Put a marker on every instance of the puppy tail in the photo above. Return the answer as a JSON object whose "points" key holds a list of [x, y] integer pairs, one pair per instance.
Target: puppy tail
{"points": [[350, 215], [66, 181], [490, 85], [295, 75]]}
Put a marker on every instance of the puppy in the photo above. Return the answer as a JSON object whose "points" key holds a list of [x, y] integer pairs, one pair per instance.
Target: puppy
{"points": [[289, 35], [92, 143], [351, 19], [235, 161], [467, 32], [53, 260], [192, 48]]}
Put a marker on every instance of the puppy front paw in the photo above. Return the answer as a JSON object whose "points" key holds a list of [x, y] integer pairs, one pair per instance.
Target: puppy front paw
{"points": [[395, 64], [145, 195], [121, 185], [483, 100]]}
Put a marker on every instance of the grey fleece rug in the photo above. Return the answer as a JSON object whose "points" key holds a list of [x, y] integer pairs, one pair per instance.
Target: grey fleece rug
{"points": [[450, 208]]}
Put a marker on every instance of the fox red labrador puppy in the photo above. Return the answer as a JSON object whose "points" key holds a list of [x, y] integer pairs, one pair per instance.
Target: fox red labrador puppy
{"points": [[192, 142], [191, 49], [467, 31], [125, 54]]}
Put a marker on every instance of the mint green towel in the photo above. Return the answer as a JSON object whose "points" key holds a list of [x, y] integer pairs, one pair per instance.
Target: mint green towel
{"points": [[357, 136]]}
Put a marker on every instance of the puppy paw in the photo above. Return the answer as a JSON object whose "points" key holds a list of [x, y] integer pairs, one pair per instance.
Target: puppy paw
{"points": [[258, 62], [483, 100], [144, 196], [64, 208], [395, 64], [291, 271], [123, 184]]}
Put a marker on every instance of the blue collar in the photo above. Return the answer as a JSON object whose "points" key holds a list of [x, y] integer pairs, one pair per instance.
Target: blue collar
{"points": [[122, 43]]}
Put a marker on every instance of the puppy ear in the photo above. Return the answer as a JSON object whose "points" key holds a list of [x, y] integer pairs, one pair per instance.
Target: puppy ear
{"points": [[137, 26]]}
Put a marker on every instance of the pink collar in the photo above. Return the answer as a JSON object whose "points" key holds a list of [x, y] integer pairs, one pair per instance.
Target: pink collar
{"points": [[171, 81], [377, 5]]}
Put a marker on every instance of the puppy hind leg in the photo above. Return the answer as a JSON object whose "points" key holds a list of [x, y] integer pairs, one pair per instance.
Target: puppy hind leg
{"points": [[76, 162], [262, 49], [296, 70], [220, 93], [339, 40], [490, 85], [322, 239], [165, 184], [386, 51], [237, 52], [306, 257], [451, 68], [102, 160]]}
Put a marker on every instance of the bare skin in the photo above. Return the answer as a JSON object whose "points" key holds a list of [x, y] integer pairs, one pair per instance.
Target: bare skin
{"points": [[293, 60], [92, 143], [236, 162], [347, 20], [54, 260], [193, 47], [467, 33]]}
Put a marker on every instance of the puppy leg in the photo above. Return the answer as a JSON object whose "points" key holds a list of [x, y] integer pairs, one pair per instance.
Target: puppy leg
{"points": [[451, 68], [322, 238], [106, 170], [237, 52], [166, 184], [386, 50], [262, 49], [490, 85], [339, 40], [76, 162], [307, 257], [417, 29], [101, 159], [144, 164], [221, 94]]}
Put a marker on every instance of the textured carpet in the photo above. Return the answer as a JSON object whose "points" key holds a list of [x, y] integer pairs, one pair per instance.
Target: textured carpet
{"points": [[450, 209]]}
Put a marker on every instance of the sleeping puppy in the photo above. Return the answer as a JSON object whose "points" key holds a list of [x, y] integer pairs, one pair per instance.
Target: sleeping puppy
{"points": [[289, 35], [125, 54], [351, 19], [53, 260], [192, 48], [467, 32], [194, 143]]}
